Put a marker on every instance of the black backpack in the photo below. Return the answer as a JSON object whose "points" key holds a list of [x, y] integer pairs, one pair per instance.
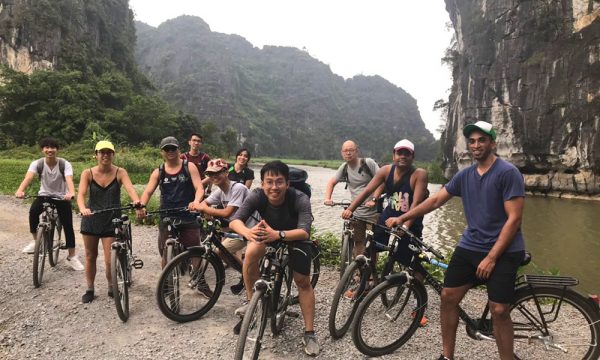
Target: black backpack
{"points": [[297, 180], [363, 167], [61, 167]]}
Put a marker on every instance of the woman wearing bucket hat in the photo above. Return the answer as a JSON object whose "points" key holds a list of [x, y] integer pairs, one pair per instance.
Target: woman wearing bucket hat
{"points": [[103, 182]]}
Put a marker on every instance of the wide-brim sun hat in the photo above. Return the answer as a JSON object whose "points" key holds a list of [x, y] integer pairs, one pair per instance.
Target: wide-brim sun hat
{"points": [[103, 145], [483, 126]]}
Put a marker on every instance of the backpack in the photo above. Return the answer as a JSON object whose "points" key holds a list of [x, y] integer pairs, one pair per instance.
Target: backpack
{"points": [[363, 167], [161, 171], [61, 167], [297, 180]]}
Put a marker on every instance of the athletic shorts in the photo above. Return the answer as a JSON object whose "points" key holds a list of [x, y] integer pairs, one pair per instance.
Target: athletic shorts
{"points": [[188, 236], [501, 284], [233, 245], [300, 256]]}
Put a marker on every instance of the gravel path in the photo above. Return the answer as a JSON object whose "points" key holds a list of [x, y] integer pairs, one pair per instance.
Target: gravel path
{"points": [[51, 322]]}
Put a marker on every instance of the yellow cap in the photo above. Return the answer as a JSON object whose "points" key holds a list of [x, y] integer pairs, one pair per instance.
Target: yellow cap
{"points": [[103, 144]]}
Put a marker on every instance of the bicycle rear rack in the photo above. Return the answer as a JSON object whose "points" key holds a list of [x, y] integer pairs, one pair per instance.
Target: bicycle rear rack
{"points": [[549, 280]]}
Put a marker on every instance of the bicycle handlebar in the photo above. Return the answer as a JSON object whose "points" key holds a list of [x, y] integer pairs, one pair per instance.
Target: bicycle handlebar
{"points": [[45, 197], [129, 206], [168, 211], [341, 203]]}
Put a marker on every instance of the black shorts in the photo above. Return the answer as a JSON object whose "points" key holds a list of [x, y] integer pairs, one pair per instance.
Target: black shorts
{"points": [[300, 256], [501, 284]]}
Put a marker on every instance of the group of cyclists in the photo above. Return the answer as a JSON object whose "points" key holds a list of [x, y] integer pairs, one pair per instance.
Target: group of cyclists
{"points": [[489, 251]]}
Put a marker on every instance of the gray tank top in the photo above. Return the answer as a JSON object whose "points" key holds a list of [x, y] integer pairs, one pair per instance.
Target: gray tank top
{"points": [[102, 198]]}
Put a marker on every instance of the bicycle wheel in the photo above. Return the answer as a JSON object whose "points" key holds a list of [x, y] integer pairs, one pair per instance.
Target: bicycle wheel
{"points": [[184, 296], [346, 253], [54, 246], [378, 329], [573, 326], [253, 327], [281, 297], [39, 255], [119, 282], [348, 294]]}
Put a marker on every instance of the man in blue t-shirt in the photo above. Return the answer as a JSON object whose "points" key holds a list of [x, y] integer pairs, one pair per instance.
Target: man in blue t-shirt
{"points": [[491, 248]]}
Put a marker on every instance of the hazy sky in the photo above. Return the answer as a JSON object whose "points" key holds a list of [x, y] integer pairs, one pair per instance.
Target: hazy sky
{"points": [[400, 40]]}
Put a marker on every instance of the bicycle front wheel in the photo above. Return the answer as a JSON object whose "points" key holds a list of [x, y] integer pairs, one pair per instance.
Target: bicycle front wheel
{"points": [[380, 329], [572, 327], [39, 255], [119, 282], [253, 327], [54, 245], [348, 294], [185, 295], [346, 253]]}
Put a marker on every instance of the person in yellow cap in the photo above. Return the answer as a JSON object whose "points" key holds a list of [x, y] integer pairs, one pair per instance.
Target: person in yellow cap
{"points": [[103, 182]]}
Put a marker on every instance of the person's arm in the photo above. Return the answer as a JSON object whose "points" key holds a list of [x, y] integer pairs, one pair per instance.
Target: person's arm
{"points": [[272, 235], [84, 183], [128, 185], [375, 182], [70, 188], [148, 191], [248, 183], [198, 185], [29, 176], [225, 213], [514, 210], [420, 190], [427, 206], [329, 191]]}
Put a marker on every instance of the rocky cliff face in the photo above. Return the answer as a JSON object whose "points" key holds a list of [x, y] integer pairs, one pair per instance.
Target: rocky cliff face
{"points": [[532, 68]]}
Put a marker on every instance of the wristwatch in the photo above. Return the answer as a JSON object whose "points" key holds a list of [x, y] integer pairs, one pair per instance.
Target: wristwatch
{"points": [[282, 235], [374, 199]]}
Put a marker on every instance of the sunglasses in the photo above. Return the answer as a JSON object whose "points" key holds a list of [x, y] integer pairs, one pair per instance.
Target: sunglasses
{"points": [[213, 174], [170, 148]]}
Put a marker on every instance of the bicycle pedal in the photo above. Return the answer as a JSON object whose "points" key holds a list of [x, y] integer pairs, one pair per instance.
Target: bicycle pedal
{"points": [[293, 314], [138, 263]]}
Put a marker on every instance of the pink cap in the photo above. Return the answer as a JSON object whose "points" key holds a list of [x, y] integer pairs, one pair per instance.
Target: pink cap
{"points": [[405, 144]]}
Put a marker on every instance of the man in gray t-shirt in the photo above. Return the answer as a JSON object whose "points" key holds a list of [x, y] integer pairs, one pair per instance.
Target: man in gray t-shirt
{"points": [[356, 173]]}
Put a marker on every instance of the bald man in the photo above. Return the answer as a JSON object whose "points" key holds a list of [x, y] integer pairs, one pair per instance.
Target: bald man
{"points": [[356, 172]]}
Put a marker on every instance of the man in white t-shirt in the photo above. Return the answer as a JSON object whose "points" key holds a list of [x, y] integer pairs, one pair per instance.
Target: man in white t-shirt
{"points": [[56, 182], [228, 197]]}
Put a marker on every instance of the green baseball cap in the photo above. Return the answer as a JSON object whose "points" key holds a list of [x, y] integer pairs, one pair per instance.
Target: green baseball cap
{"points": [[482, 126]]}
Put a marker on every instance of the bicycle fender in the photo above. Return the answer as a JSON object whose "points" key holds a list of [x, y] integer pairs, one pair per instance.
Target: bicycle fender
{"points": [[197, 250], [397, 277]]}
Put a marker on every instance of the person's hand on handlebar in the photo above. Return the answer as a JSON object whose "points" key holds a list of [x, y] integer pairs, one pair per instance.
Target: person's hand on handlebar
{"points": [[328, 202], [394, 221], [69, 196], [346, 214], [86, 212], [20, 194], [140, 211]]}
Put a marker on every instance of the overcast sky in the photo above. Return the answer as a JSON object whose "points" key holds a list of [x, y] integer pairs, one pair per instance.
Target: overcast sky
{"points": [[400, 40]]}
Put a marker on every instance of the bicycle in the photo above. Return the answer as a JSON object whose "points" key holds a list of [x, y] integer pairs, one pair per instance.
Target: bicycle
{"points": [[201, 270], [48, 238], [347, 242], [273, 294], [550, 319], [357, 281], [123, 261]]}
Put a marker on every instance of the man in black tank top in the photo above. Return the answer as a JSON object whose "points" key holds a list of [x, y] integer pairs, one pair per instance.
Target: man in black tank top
{"points": [[180, 186], [280, 222]]}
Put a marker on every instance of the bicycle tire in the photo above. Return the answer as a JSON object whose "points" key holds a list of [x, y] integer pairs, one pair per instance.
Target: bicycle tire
{"points": [[572, 324], [343, 307], [39, 256], [54, 246], [379, 329], [281, 298], [253, 327], [346, 253], [173, 281], [119, 282], [178, 294]]}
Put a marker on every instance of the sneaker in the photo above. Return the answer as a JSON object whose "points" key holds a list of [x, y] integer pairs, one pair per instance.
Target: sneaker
{"points": [[75, 263], [442, 357], [110, 292], [30, 248], [241, 311], [423, 321], [311, 345], [350, 294], [88, 297], [237, 288], [203, 288]]}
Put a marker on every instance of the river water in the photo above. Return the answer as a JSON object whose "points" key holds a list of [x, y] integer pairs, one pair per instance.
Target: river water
{"points": [[561, 234]]}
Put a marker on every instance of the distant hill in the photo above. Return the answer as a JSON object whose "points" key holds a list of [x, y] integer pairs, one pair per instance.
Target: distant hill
{"points": [[279, 100]]}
